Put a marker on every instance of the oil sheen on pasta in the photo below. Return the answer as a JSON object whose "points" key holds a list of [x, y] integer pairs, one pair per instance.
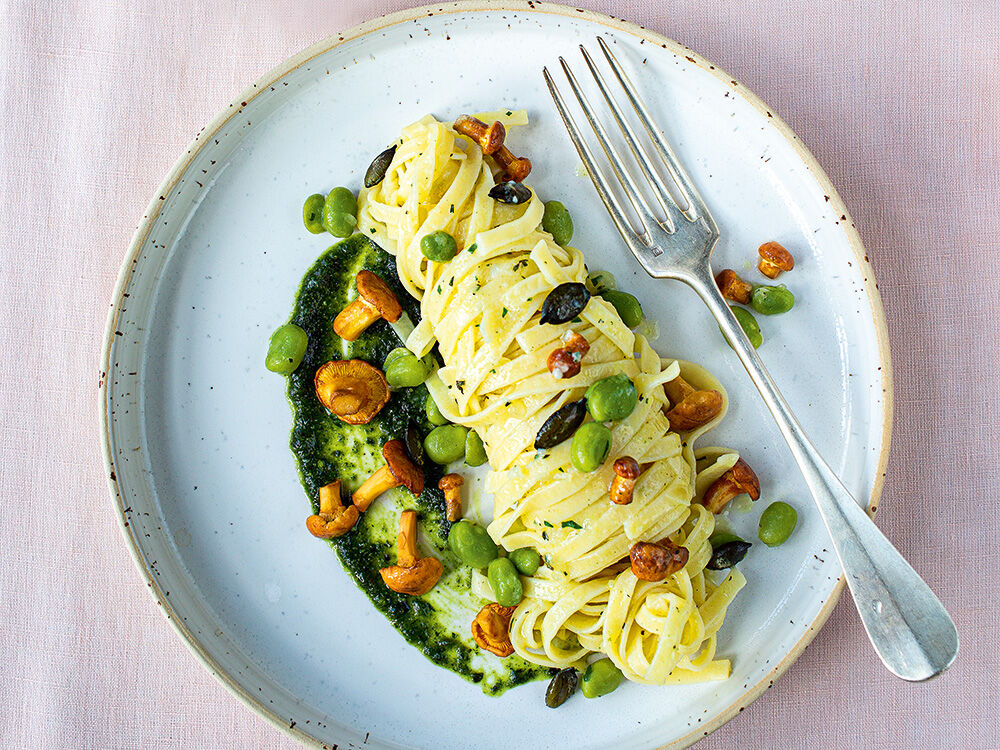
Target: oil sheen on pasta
{"points": [[327, 449]]}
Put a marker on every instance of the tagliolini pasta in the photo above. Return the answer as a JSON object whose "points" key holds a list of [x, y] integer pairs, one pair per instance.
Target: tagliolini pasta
{"points": [[482, 308]]}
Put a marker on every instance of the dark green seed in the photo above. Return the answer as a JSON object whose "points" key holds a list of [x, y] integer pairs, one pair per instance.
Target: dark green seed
{"points": [[415, 445], [379, 166], [565, 302], [561, 687], [728, 554], [561, 425], [510, 192]]}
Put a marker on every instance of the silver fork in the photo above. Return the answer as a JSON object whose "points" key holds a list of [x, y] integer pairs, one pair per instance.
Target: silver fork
{"points": [[909, 628]]}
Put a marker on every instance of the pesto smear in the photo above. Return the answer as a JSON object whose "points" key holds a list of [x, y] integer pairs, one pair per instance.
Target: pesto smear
{"points": [[326, 449]]}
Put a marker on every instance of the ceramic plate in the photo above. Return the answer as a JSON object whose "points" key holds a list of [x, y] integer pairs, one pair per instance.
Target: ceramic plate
{"points": [[196, 430]]}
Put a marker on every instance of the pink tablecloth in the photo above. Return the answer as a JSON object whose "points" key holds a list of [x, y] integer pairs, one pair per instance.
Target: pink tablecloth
{"points": [[898, 100]]}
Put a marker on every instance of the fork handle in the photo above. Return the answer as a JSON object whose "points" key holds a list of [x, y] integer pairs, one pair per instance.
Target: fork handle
{"points": [[907, 624]]}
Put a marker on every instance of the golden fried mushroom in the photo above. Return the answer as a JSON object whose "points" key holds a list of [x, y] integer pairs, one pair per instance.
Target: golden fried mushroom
{"points": [[351, 389], [398, 470], [411, 575], [375, 300]]}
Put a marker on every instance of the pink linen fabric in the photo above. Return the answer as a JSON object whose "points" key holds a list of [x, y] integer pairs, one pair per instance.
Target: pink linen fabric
{"points": [[897, 100]]}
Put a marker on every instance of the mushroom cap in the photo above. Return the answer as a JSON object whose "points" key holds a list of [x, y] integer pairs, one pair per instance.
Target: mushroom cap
{"points": [[733, 287], [626, 467], [654, 561], [415, 580], [354, 377], [491, 629], [378, 294], [332, 525], [774, 252], [737, 480], [450, 481], [406, 472], [697, 408]]}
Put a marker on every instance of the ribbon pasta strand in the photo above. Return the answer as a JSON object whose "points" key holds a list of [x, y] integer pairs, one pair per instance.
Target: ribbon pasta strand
{"points": [[482, 309]]}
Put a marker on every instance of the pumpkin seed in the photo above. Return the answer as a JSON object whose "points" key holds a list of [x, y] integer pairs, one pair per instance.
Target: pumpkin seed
{"points": [[728, 554], [561, 425], [565, 302], [562, 686], [510, 192], [379, 166]]}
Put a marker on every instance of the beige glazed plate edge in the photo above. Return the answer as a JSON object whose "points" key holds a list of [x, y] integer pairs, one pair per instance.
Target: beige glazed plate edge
{"points": [[465, 6]]}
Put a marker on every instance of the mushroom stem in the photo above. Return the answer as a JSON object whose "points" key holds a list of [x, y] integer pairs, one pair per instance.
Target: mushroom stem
{"points": [[691, 408], [329, 497], [406, 542], [451, 485], [626, 475], [374, 486], [515, 167], [738, 480], [352, 321], [677, 390], [489, 137], [411, 575]]}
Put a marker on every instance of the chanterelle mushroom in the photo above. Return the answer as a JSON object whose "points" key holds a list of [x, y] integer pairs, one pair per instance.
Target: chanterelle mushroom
{"points": [[491, 629], [375, 300], [733, 287], [690, 408], [333, 519], [489, 137], [398, 470], [654, 561], [774, 259], [738, 480], [626, 475], [411, 574], [352, 389]]}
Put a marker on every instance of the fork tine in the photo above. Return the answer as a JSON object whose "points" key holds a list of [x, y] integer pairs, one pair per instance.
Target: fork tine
{"points": [[633, 193], [609, 199], [696, 206], [646, 167]]}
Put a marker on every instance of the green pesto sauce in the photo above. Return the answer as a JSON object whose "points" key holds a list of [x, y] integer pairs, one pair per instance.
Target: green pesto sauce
{"points": [[327, 449]]}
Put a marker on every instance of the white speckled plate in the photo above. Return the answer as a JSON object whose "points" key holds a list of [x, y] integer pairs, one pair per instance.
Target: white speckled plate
{"points": [[196, 430]]}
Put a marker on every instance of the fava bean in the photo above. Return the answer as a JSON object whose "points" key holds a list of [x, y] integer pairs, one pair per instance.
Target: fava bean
{"points": [[312, 213], [475, 451], [438, 246], [404, 370], [772, 300], [590, 446], [626, 305], [777, 523], [472, 544], [526, 560], [602, 677], [749, 325], [722, 537], [434, 415], [286, 349], [611, 399], [557, 222], [445, 444], [340, 212], [600, 282], [505, 582]]}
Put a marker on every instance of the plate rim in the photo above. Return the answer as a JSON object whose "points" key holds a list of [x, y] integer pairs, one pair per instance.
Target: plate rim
{"points": [[322, 46]]}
